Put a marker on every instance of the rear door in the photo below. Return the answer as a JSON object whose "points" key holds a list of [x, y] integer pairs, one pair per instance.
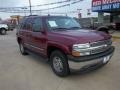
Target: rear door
{"points": [[27, 32]]}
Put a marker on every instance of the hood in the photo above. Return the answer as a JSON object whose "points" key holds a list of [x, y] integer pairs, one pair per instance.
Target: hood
{"points": [[81, 36]]}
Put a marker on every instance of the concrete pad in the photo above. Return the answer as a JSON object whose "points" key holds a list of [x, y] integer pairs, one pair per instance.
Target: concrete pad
{"points": [[30, 72]]}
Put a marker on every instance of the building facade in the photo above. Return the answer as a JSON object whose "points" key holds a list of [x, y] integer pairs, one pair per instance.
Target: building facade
{"points": [[107, 6]]}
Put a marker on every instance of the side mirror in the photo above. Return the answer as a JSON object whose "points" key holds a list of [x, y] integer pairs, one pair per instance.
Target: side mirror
{"points": [[42, 31], [103, 29]]}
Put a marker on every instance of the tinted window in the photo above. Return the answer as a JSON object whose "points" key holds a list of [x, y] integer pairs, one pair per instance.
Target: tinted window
{"points": [[21, 23], [27, 24], [37, 24]]}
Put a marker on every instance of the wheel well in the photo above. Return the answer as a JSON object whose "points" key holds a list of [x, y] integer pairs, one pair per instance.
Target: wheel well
{"points": [[3, 28], [18, 39], [50, 49]]}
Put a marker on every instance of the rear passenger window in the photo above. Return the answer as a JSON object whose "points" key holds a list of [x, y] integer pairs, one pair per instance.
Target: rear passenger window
{"points": [[27, 24], [37, 25], [21, 23]]}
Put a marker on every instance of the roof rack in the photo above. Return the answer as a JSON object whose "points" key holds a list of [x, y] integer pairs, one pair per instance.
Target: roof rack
{"points": [[33, 15]]}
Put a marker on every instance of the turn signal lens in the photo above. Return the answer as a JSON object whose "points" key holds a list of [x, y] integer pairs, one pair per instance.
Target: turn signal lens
{"points": [[75, 53]]}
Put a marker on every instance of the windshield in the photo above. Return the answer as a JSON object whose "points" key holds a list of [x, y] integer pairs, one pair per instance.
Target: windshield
{"points": [[62, 23]]}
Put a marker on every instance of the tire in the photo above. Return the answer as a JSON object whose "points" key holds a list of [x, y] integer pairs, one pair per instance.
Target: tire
{"points": [[3, 32], [59, 64], [22, 49]]}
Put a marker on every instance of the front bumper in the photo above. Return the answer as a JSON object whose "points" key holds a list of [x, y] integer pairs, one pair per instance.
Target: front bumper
{"points": [[78, 63]]}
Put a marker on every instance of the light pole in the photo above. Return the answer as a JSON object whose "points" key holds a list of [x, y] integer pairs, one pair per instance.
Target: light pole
{"points": [[30, 7]]}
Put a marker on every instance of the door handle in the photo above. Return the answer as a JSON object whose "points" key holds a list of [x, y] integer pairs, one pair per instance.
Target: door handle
{"points": [[36, 38]]}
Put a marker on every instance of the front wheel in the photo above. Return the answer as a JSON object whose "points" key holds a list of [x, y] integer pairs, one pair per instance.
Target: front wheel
{"points": [[3, 31], [59, 64]]}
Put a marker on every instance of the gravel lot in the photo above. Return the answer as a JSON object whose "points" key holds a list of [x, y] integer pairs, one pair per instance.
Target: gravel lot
{"points": [[30, 72]]}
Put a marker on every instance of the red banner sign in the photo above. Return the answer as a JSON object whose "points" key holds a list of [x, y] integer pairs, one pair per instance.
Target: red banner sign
{"points": [[101, 2], [102, 5]]}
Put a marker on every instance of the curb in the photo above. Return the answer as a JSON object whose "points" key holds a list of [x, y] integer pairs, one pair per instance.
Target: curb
{"points": [[116, 37]]}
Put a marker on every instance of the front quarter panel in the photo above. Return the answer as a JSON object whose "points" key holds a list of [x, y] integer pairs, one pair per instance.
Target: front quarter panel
{"points": [[61, 42], [62, 47]]}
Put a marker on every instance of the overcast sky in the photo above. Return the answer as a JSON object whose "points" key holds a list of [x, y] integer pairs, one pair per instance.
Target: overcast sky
{"points": [[84, 5]]}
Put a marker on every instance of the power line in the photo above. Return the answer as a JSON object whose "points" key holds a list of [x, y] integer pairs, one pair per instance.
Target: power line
{"points": [[23, 11], [59, 2]]}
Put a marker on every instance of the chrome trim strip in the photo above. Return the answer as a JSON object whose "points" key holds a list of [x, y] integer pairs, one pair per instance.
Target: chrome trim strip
{"points": [[104, 41], [34, 47]]}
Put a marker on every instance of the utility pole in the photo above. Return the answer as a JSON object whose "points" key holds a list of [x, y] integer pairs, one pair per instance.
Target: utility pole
{"points": [[79, 13], [24, 8], [30, 7]]}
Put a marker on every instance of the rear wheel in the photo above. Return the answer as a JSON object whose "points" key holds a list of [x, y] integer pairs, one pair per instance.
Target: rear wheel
{"points": [[59, 64], [3, 31], [22, 49]]}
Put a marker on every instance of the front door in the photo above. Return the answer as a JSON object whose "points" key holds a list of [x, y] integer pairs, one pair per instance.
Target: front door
{"points": [[38, 37]]}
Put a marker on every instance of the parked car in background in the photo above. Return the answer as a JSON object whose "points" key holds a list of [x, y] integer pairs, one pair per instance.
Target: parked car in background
{"points": [[92, 23], [104, 27], [3, 29], [11, 27], [117, 26], [66, 45]]}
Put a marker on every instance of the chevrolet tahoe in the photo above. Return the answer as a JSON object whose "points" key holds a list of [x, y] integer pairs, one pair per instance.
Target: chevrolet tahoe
{"points": [[66, 45]]}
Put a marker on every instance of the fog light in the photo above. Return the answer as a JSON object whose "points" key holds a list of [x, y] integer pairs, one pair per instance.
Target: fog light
{"points": [[84, 53]]}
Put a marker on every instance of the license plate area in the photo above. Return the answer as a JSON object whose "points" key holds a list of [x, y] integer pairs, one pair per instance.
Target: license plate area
{"points": [[106, 59]]}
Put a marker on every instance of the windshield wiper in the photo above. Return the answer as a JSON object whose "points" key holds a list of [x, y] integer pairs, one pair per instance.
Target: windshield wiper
{"points": [[59, 28], [75, 28]]}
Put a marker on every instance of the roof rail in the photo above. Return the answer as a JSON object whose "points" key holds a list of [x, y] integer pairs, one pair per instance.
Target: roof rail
{"points": [[33, 15]]}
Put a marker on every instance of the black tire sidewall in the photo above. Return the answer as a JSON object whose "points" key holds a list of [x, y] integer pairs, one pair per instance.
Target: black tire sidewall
{"points": [[24, 51], [2, 31], [65, 70]]}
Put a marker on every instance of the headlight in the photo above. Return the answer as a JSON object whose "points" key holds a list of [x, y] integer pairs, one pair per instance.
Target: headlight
{"points": [[81, 49]]}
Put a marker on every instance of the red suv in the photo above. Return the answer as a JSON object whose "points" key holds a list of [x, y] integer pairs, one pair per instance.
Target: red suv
{"points": [[67, 46]]}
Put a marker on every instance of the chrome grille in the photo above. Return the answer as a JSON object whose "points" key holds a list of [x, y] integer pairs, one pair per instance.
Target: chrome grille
{"points": [[99, 43], [105, 46]]}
